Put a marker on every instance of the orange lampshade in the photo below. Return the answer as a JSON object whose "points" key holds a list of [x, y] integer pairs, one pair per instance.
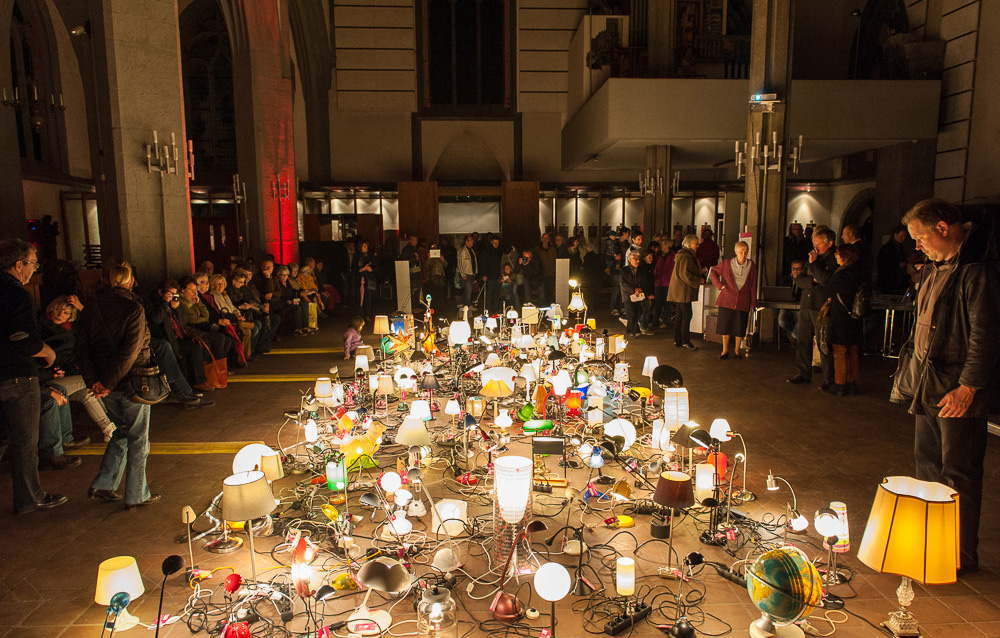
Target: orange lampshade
{"points": [[574, 401], [913, 531], [721, 463]]}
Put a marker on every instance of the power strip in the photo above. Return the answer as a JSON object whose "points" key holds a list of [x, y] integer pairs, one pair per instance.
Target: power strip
{"points": [[619, 624]]}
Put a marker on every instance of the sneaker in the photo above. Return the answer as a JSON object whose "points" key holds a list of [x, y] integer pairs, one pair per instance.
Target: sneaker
{"points": [[648, 332], [689, 346], [60, 462], [798, 379], [614, 313], [72, 445], [623, 320]]}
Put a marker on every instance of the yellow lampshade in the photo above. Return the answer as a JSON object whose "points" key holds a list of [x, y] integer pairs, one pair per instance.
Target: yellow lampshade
{"points": [[625, 576], [913, 531], [118, 574], [496, 389], [385, 384], [381, 325]]}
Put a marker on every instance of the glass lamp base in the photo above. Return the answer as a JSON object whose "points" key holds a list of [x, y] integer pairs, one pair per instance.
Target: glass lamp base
{"points": [[902, 623], [223, 545]]}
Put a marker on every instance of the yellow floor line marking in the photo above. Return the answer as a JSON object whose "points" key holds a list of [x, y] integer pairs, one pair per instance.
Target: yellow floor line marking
{"points": [[209, 447], [307, 350], [273, 378]]}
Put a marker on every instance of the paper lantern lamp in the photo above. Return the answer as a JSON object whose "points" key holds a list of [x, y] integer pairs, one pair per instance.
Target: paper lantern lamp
{"points": [[625, 576], [676, 410], [704, 481], [459, 333], [513, 486]]}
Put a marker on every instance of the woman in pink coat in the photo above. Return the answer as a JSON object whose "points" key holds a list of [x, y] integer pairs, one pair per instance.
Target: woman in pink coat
{"points": [[736, 279]]}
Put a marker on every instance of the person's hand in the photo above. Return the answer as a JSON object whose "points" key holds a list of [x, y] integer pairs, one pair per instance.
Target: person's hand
{"points": [[99, 391], [295, 301], [224, 322], [47, 354], [956, 403], [57, 396], [268, 295], [267, 308], [813, 255], [174, 303], [74, 301], [58, 373], [638, 291]]}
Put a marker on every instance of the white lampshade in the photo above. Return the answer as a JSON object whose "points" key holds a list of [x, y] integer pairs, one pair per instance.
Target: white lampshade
{"points": [[323, 388], [413, 432], [459, 333], [513, 486], [311, 431], [827, 523], [270, 465], [561, 383], [452, 408], [450, 516], [704, 480], [405, 378], [501, 373], [528, 372], [676, 410], [503, 420], [361, 361], [524, 342], [597, 389], [381, 325], [625, 576], [445, 560], [661, 435], [248, 458], [621, 372], [649, 365], [246, 496], [118, 574], [595, 408], [552, 582], [576, 304], [512, 314], [338, 393], [390, 482], [622, 428], [492, 360], [492, 323], [420, 409], [719, 430]]}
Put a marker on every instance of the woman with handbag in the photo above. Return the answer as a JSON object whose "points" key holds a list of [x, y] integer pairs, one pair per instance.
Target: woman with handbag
{"points": [[736, 279], [845, 332], [112, 350]]}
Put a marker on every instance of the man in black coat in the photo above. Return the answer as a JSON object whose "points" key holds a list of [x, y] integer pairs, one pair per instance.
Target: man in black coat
{"points": [[489, 269], [21, 352], [948, 370], [822, 262]]}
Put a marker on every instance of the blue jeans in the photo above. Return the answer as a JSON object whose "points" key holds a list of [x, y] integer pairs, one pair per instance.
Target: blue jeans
{"points": [[167, 360], [55, 424], [127, 449], [19, 407], [467, 289]]}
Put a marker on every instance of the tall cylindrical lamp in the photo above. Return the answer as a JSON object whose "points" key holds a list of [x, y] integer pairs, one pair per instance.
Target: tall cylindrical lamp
{"points": [[511, 502]]}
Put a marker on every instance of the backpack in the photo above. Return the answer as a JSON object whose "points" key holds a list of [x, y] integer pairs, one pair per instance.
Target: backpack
{"points": [[862, 305]]}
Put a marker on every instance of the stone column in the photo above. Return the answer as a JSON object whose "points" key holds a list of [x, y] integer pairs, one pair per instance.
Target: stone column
{"points": [[656, 209], [770, 72], [144, 214], [262, 85]]}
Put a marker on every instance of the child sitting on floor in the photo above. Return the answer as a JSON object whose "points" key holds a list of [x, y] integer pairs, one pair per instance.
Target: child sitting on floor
{"points": [[352, 338]]}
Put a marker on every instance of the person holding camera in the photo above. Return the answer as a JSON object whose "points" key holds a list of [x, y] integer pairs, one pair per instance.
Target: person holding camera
{"points": [[173, 343], [113, 338]]}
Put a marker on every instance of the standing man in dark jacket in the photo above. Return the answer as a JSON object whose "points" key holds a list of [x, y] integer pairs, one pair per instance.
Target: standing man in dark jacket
{"points": [[948, 370], [685, 283], [545, 255], [113, 338], [489, 270], [822, 263], [21, 348]]}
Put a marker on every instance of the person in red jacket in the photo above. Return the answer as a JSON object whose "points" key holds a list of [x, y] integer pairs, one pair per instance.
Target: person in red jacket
{"points": [[736, 279]]}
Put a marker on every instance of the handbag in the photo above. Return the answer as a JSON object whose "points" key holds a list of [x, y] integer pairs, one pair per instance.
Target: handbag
{"points": [[216, 370], [823, 329], [147, 383]]}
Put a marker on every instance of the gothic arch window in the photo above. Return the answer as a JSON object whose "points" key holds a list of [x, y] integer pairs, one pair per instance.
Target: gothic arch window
{"points": [[467, 48], [207, 69], [39, 103]]}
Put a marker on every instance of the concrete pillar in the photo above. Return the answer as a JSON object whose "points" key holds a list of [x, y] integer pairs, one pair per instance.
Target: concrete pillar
{"points": [[262, 83], [656, 209], [11, 190], [144, 215], [770, 72], [904, 175]]}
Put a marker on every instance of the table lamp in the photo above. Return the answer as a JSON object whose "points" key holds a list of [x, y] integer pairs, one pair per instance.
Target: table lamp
{"points": [[674, 490], [912, 531], [380, 325], [413, 432], [384, 575], [246, 496], [793, 519], [118, 583], [648, 366], [552, 583], [496, 389], [459, 333]]}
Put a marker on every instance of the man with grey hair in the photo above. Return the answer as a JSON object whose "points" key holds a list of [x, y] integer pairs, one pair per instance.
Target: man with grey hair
{"points": [[947, 371], [683, 290], [21, 348]]}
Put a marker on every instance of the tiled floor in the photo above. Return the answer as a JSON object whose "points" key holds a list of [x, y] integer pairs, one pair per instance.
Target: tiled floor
{"points": [[828, 448]]}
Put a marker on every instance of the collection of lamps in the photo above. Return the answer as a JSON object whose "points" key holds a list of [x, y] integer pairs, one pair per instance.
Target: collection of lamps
{"points": [[904, 508]]}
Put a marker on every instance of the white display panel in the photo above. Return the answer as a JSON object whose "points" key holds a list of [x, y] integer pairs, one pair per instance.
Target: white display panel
{"points": [[459, 218]]}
